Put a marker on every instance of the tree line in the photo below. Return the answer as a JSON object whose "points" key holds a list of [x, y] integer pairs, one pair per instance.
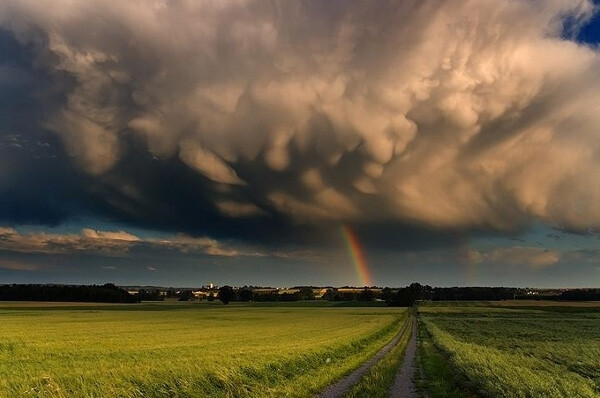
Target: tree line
{"points": [[107, 293], [245, 294], [580, 295], [405, 296]]}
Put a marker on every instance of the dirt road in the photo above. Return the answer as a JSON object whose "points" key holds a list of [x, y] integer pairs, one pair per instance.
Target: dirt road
{"points": [[404, 385], [342, 386]]}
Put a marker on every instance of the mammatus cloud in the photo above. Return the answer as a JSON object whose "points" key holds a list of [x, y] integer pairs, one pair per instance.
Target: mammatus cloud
{"points": [[462, 114], [107, 243]]}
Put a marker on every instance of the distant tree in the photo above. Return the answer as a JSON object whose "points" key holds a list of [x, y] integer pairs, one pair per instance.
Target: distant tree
{"points": [[269, 296], [329, 295], [366, 295], [387, 295], [581, 295], [150, 295], [475, 293], [295, 296], [107, 293], [226, 294], [245, 294], [306, 293], [211, 297], [186, 295], [346, 296], [404, 298]]}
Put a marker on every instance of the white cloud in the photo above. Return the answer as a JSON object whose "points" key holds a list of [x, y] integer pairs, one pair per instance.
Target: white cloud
{"points": [[109, 235]]}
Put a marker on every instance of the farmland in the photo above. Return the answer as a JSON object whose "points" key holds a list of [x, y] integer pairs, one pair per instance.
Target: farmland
{"points": [[196, 350], [519, 350], [496, 349]]}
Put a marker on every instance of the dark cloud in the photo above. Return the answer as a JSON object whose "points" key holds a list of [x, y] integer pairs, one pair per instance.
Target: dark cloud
{"points": [[414, 122], [36, 188], [38, 183]]}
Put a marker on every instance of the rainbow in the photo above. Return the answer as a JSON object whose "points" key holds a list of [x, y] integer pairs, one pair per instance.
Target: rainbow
{"points": [[358, 255]]}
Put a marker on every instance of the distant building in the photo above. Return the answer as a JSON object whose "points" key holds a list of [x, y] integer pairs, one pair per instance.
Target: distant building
{"points": [[200, 294]]}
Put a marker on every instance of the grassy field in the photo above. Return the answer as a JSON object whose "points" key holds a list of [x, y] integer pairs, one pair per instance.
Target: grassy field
{"points": [[184, 350], [436, 377], [524, 351]]}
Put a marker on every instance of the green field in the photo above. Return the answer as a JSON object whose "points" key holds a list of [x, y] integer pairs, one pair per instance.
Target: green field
{"points": [[510, 350], [466, 349], [184, 350]]}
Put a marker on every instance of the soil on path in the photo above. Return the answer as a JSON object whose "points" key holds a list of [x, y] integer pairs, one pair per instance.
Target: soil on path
{"points": [[404, 385], [338, 389]]}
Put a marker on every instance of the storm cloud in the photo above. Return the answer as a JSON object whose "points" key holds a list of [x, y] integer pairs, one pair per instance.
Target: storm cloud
{"points": [[474, 114]]}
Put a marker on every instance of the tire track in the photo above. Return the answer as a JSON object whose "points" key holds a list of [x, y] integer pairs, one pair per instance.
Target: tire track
{"points": [[342, 386], [404, 385]]}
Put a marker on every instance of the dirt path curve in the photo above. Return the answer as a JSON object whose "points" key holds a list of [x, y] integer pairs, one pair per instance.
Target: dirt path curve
{"points": [[404, 385], [338, 389]]}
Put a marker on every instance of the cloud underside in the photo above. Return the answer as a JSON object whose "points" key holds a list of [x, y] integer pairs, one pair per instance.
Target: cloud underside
{"points": [[106, 243], [462, 114], [34, 251]]}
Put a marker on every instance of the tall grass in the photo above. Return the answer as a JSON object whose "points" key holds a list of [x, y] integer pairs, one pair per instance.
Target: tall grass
{"points": [[185, 351], [436, 377], [521, 353]]}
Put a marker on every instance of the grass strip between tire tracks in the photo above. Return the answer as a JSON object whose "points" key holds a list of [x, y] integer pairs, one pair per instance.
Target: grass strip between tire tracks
{"points": [[377, 382]]}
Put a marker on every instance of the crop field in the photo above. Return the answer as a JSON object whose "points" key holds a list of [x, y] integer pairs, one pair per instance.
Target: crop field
{"points": [[524, 351], [184, 350], [253, 350]]}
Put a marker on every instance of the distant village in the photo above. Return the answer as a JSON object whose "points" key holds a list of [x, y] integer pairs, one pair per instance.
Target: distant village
{"points": [[211, 292], [399, 296], [257, 293]]}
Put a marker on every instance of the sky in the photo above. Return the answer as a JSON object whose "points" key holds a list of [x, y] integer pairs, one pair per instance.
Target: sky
{"points": [[180, 143]]}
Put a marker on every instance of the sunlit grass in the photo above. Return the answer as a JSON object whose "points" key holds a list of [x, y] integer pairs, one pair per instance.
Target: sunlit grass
{"points": [[185, 350]]}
